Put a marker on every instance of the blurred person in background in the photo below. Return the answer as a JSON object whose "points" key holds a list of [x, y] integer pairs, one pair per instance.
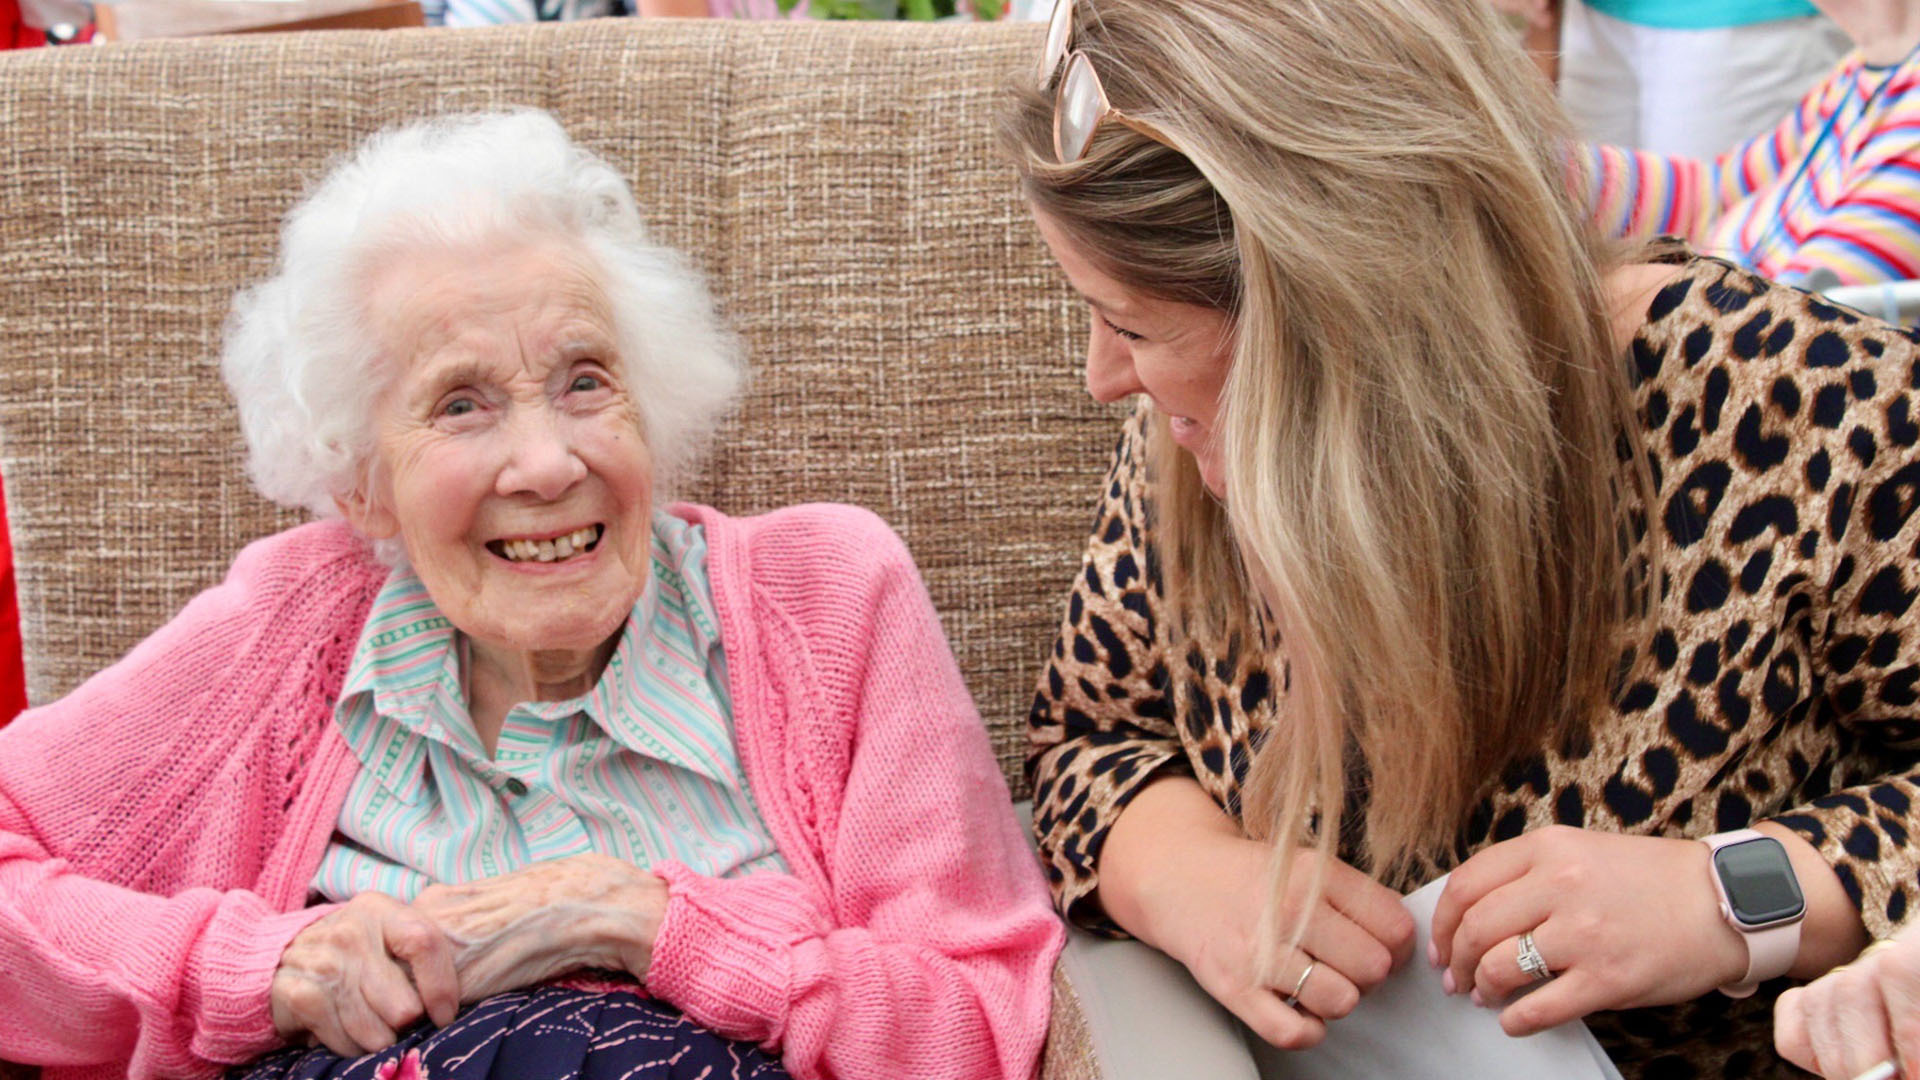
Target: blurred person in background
{"points": [[496, 12], [1688, 77], [913, 10], [1829, 196]]}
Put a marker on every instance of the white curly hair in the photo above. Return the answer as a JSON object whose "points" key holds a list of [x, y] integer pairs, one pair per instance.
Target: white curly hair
{"points": [[299, 361]]}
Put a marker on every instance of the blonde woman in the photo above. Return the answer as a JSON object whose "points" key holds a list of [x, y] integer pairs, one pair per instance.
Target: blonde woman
{"points": [[1448, 537]]}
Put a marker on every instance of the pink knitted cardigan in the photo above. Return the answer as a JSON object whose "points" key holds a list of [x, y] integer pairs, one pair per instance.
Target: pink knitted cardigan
{"points": [[159, 826]]}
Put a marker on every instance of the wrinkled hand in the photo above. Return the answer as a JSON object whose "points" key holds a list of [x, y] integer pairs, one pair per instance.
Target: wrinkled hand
{"points": [[361, 973], [1857, 1015], [1357, 933], [522, 928], [1622, 921]]}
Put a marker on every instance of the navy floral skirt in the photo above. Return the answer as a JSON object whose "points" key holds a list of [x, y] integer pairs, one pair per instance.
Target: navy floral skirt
{"points": [[541, 1033]]}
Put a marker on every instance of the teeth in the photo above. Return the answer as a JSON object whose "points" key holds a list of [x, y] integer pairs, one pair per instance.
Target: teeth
{"points": [[554, 550]]}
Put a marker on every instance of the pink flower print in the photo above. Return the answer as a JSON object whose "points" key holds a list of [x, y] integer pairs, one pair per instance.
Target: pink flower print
{"points": [[407, 1068]]}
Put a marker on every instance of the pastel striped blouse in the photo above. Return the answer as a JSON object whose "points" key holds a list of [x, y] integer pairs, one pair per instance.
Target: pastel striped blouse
{"points": [[1829, 197], [642, 767]]}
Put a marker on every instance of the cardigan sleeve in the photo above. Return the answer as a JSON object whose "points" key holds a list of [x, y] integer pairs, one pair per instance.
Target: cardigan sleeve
{"points": [[166, 982], [97, 974], [1101, 725], [915, 940]]}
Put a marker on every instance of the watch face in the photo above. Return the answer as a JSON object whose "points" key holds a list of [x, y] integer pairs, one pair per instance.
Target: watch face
{"points": [[1759, 882]]}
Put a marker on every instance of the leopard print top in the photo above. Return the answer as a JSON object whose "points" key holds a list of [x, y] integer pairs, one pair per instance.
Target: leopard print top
{"points": [[1777, 681]]}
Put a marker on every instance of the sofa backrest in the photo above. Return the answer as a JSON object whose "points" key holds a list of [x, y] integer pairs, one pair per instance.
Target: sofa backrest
{"points": [[913, 350]]}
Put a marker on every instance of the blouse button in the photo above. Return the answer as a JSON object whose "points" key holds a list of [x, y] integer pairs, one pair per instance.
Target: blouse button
{"points": [[516, 786]]}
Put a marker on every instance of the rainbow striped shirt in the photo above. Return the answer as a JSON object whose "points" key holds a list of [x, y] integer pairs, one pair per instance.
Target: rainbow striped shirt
{"points": [[1834, 190], [642, 767]]}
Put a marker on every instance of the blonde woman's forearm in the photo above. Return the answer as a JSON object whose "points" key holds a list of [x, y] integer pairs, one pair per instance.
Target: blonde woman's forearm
{"points": [[1150, 838]]}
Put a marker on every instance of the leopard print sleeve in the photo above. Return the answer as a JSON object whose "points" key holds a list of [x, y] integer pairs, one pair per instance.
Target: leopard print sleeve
{"points": [[1855, 535], [1101, 725], [1868, 658]]}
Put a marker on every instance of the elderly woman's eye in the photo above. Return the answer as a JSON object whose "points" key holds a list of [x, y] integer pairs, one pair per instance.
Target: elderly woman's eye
{"points": [[585, 383], [459, 407]]}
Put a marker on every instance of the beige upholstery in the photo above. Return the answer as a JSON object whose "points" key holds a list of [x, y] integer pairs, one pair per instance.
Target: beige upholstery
{"points": [[913, 350]]}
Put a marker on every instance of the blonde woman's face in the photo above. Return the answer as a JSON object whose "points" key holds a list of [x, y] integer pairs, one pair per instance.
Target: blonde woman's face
{"points": [[1175, 354]]}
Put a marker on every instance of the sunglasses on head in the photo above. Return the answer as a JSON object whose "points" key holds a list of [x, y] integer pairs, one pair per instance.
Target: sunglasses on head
{"points": [[1080, 103]]}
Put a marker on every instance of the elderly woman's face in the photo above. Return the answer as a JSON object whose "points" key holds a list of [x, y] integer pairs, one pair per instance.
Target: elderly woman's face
{"points": [[509, 460]]}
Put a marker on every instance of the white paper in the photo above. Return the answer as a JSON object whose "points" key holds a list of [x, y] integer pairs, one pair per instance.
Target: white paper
{"points": [[1411, 1029]]}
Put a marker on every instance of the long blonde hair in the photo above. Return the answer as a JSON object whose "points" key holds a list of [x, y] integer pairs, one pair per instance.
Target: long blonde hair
{"points": [[1422, 423]]}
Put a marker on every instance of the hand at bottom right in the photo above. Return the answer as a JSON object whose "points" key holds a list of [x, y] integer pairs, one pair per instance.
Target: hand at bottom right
{"points": [[1859, 1018]]}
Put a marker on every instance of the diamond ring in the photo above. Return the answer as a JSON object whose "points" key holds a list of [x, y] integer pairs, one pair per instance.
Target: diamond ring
{"points": [[1531, 962]]}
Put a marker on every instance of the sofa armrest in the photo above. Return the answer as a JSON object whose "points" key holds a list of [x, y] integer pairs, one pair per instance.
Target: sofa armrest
{"points": [[1127, 1011], [1145, 1017]]}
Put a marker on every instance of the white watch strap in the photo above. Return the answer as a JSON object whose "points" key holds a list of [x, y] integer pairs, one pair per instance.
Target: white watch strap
{"points": [[1770, 952]]}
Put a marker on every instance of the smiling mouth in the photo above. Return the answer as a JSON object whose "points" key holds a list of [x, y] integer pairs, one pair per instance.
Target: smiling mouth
{"points": [[552, 549]]}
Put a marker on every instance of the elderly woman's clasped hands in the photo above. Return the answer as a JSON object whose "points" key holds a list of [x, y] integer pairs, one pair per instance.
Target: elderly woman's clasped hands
{"points": [[375, 966], [370, 968]]}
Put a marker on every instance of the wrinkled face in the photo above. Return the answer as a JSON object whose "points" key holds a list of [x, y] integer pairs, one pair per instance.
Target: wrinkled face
{"points": [[508, 455], [1176, 354]]}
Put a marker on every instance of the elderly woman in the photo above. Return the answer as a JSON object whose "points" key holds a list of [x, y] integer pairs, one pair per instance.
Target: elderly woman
{"points": [[500, 717]]}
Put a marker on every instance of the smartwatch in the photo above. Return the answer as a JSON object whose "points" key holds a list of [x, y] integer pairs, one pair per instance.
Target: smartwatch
{"points": [[1759, 897]]}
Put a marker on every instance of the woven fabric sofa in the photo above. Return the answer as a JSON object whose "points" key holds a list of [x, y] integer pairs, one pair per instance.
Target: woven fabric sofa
{"points": [[913, 351]]}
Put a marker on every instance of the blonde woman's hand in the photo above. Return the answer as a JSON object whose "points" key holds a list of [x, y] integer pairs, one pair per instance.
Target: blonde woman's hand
{"points": [[1622, 921], [1179, 875], [358, 975], [1858, 1015], [562, 915], [1357, 932]]}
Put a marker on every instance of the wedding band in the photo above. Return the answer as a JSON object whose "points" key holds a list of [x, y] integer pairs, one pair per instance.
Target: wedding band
{"points": [[1886, 1070], [1532, 964], [1301, 983]]}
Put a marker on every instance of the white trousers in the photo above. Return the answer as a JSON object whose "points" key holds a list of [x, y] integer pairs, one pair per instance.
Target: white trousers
{"points": [[1694, 93]]}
